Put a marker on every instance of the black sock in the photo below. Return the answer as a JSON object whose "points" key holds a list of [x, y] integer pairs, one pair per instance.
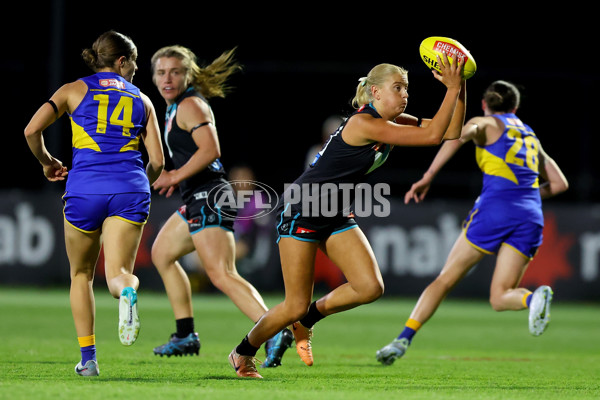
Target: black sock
{"points": [[312, 317], [185, 326], [245, 348]]}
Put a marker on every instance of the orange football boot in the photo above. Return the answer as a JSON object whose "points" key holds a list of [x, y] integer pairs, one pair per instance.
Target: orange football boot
{"points": [[303, 336], [244, 366]]}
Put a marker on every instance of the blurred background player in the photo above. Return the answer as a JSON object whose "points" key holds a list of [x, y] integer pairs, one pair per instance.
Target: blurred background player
{"points": [[248, 230], [360, 145], [506, 219], [107, 197], [328, 128], [200, 224]]}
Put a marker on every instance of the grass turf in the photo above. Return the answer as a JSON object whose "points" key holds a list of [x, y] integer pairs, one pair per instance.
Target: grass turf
{"points": [[466, 351]]}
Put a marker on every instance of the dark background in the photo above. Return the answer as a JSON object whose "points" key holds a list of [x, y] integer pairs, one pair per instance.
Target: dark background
{"points": [[302, 62]]}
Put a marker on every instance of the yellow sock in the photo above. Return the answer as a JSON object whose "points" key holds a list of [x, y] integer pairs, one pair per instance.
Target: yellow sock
{"points": [[86, 341], [526, 299], [413, 324]]}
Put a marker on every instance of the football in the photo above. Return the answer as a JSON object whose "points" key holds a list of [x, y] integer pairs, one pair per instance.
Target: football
{"points": [[437, 45]]}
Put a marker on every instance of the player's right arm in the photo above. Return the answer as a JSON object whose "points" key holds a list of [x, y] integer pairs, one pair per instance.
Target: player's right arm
{"points": [[66, 98]]}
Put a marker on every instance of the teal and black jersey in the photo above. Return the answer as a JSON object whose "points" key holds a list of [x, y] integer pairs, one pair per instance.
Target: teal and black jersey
{"points": [[341, 166], [106, 126], [510, 172], [339, 162], [181, 147]]}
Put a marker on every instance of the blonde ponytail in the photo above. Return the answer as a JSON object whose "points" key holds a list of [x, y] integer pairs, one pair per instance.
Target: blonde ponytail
{"points": [[376, 77]]}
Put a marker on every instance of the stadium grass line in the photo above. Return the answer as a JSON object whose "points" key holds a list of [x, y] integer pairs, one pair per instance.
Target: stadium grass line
{"points": [[467, 351]]}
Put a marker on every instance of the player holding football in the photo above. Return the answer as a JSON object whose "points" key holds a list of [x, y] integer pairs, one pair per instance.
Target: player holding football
{"points": [[506, 220], [107, 197], [361, 144]]}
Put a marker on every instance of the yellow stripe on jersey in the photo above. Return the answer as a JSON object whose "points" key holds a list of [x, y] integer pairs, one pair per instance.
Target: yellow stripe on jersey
{"points": [[81, 139], [133, 144], [493, 165]]}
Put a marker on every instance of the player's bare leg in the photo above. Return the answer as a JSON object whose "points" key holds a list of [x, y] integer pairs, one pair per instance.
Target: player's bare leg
{"points": [[461, 259]]}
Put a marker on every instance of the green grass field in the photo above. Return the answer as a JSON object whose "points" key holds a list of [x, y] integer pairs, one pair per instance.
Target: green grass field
{"points": [[467, 351]]}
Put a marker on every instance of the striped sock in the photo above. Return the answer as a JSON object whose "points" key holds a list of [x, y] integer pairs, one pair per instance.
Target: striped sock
{"points": [[87, 346], [410, 328], [527, 299]]}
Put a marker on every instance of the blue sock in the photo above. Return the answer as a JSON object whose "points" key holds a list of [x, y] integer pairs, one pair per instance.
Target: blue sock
{"points": [[407, 333], [88, 353], [528, 299]]}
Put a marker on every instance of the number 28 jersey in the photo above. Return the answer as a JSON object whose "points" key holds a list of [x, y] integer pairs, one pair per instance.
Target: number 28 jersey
{"points": [[510, 169], [106, 126]]}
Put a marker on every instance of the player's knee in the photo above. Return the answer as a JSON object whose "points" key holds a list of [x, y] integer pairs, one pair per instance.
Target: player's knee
{"points": [[372, 291], [161, 258], [82, 274], [157, 255], [296, 309], [220, 275], [442, 284]]}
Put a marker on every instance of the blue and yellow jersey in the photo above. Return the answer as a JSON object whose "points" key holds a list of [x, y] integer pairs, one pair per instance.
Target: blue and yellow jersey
{"points": [[106, 126], [510, 172]]}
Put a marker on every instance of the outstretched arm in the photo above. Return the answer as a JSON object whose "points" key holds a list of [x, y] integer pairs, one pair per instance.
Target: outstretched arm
{"points": [[454, 130], [419, 189]]}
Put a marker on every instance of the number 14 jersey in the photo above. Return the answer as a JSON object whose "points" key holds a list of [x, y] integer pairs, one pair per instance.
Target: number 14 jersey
{"points": [[106, 126]]}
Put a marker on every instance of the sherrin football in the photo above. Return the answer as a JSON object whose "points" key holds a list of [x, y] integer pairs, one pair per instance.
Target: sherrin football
{"points": [[437, 45]]}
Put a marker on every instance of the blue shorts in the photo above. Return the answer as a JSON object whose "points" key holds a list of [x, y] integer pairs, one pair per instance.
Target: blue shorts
{"points": [[204, 211], [312, 229], [486, 230], [87, 212]]}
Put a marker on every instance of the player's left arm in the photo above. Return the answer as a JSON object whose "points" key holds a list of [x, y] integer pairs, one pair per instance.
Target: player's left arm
{"points": [[455, 128], [152, 142], [194, 116], [554, 181]]}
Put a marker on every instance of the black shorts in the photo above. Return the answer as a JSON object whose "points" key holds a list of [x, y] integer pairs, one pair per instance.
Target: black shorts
{"points": [[312, 229], [202, 209]]}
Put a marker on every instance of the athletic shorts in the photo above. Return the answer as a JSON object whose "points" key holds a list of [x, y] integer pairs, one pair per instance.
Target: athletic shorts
{"points": [[312, 229], [487, 231], [87, 212], [205, 209]]}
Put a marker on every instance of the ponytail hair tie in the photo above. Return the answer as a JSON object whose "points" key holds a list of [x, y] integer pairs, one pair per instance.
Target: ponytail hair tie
{"points": [[363, 80]]}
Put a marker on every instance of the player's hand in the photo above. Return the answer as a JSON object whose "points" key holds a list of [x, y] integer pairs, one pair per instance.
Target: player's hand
{"points": [[55, 171], [165, 184], [418, 190], [452, 74]]}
